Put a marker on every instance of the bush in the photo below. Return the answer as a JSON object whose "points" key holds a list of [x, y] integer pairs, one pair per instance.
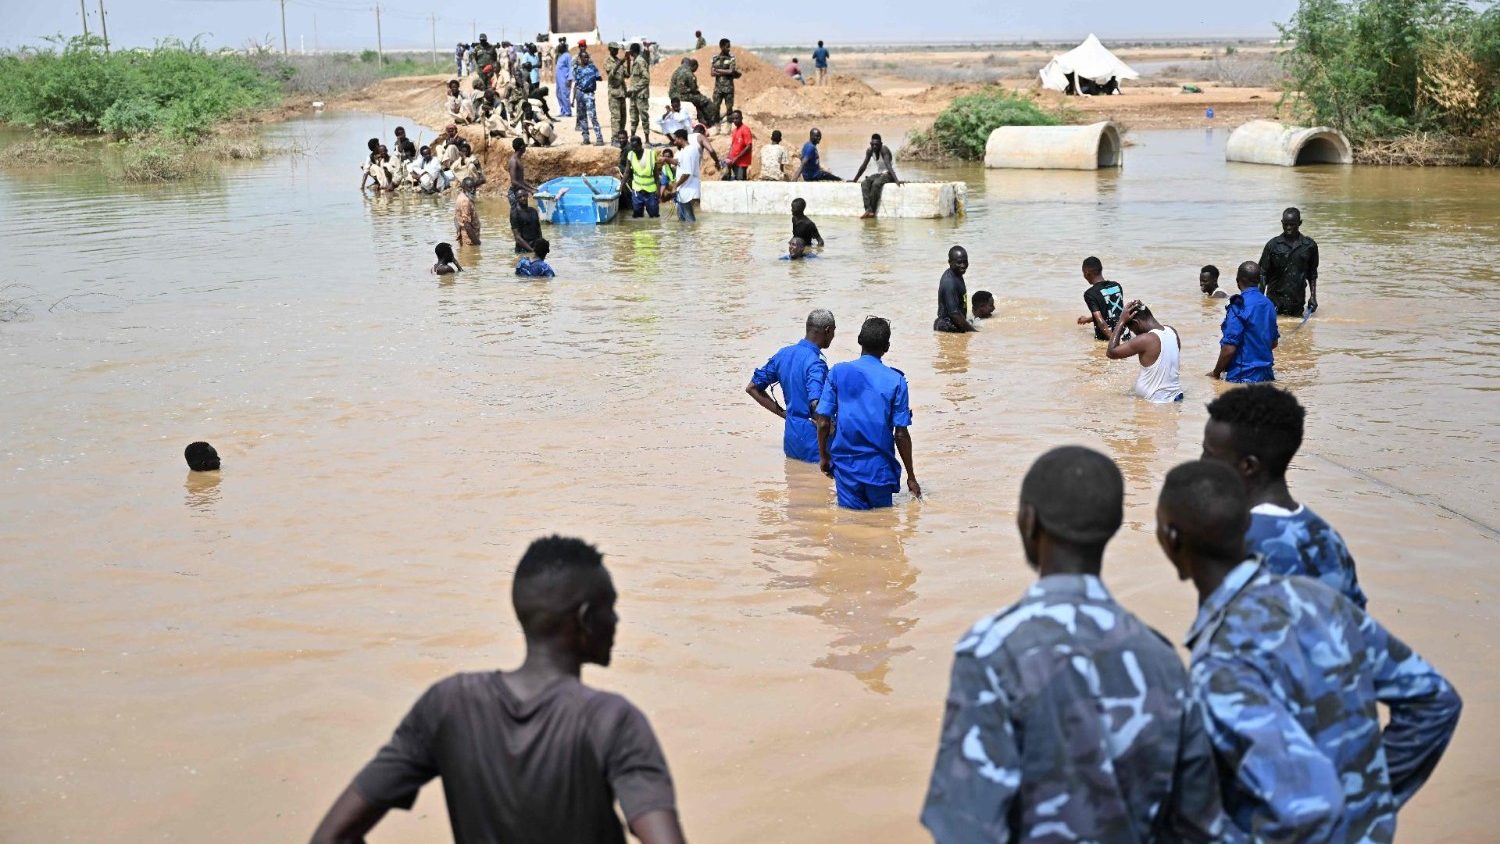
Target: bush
{"points": [[963, 128], [159, 159]]}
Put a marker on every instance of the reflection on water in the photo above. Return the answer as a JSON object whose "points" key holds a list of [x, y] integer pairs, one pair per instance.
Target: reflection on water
{"points": [[399, 437]]}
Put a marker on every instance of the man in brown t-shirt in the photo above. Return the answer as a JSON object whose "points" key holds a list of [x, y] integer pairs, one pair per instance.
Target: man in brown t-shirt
{"points": [[530, 755]]}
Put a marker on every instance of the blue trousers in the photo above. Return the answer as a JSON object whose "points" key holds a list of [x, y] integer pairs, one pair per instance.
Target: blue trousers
{"points": [[564, 97], [647, 201], [685, 212], [853, 495], [588, 115]]}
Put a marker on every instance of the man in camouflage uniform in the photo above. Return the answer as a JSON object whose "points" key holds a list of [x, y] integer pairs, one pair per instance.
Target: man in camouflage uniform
{"points": [[638, 91], [485, 55], [1069, 719], [724, 73], [1288, 673], [684, 87], [614, 74], [1256, 430]]}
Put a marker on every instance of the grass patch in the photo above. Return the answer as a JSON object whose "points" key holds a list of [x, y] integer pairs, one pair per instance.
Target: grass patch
{"points": [[160, 159], [50, 150], [962, 130]]}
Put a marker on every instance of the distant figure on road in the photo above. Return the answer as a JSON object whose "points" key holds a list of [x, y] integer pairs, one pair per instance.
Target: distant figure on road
{"points": [[1289, 268], [1249, 333], [953, 295], [874, 184], [820, 63]]}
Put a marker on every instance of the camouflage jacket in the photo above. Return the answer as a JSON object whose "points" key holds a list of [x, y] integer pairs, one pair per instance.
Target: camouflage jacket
{"points": [[723, 84], [1068, 719], [614, 72], [639, 78], [1288, 672], [1302, 543], [684, 84]]}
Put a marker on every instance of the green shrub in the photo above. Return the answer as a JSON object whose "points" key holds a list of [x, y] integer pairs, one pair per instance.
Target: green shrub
{"points": [[158, 159], [965, 126]]}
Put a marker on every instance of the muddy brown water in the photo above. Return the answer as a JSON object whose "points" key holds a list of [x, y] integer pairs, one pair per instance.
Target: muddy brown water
{"points": [[193, 657]]}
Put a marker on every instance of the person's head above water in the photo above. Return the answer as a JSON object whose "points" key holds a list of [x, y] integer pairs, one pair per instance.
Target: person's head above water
{"points": [[983, 304], [1201, 518], [1093, 269], [875, 336], [958, 260], [795, 248], [1247, 276], [820, 328], [444, 252], [201, 457], [468, 185], [565, 600], [1291, 223], [1072, 503], [1208, 279], [1256, 430], [799, 207], [541, 248]]}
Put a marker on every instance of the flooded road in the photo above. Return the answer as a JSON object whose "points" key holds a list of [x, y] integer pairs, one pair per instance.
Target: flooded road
{"points": [[192, 657]]}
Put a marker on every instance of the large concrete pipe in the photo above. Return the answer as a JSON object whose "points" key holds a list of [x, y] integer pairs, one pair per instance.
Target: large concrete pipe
{"points": [[1269, 142], [1054, 147]]}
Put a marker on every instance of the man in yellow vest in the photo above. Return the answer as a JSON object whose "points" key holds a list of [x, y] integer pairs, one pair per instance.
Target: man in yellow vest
{"points": [[641, 169]]}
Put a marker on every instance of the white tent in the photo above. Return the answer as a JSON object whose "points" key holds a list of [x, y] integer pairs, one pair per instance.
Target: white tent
{"points": [[1089, 60]]}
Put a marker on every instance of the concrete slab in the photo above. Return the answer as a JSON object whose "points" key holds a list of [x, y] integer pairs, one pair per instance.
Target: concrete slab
{"points": [[924, 200]]}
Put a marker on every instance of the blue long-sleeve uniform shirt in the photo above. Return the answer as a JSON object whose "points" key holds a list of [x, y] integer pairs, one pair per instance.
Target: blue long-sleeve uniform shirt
{"points": [[1250, 326], [1300, 542], [1288, 673], [867, 401], [800, 370]]}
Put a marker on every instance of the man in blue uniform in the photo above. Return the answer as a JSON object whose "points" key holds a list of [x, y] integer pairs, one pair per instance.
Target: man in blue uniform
{"points": [[800, 370], [1288, 673], [1256, 430], [1249, 332], [1068, 718], [865, 403]]}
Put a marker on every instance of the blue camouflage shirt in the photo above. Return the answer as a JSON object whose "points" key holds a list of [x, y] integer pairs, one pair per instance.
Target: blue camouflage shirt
{"points": [[800, 370], [1302, 543], [1288, 673], [1069, 719], [1250, 326], [534, 268], [867, 401]]}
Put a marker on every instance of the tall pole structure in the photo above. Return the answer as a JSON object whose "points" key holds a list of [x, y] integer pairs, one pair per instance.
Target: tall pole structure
{"points": [[379, 40], [84, 14], [315, 33], [104, 26], [432, 18], [283, 26]]}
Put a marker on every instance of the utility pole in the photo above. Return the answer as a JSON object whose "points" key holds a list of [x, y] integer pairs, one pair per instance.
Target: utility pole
{"points": [[379, 41], [104, 26], [432, 18], [84, 13], [283, 26], [315, 33]]}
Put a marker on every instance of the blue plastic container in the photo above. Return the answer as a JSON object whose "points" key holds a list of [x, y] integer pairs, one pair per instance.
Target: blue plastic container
{"points": [[593, 200]]}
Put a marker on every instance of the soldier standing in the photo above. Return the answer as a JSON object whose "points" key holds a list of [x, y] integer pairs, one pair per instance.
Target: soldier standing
{"points": [[684, 87], [724, 73], [614, 74], [638, 91], [1067, 715]]}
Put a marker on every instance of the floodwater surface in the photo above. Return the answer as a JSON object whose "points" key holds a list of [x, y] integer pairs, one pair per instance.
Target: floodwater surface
{"points": [[193, 657]]}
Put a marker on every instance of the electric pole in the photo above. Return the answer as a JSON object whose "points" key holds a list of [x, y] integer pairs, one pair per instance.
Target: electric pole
{"points": [[432, 18], [283, 26], [84, 13], [104, 26], [315, 33], [379, 41]]}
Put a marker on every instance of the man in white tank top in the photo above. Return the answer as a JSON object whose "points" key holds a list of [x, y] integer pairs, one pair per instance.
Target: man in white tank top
{"points": [[1159, 349]]}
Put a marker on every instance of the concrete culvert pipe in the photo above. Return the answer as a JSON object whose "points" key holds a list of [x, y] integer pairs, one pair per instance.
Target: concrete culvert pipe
{"points": [[1269, 142], [1054, 147]]}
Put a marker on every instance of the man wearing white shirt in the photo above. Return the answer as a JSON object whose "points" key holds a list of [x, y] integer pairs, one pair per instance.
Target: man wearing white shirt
{"points": [[689, 173], [674, 118]]}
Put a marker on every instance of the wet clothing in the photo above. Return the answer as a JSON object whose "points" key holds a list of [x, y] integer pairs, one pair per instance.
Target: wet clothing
{"points": [[806, 229], [867, 401], [800, 370], [1300, 542], [1285, 269], [1160, 382], [1289, 672], [1069, 719], [953, 298], [870, 187], [563, 75], [1108, 299], [534, 268], [465, 220], [1250, 326], [526, 222], [542, 770], [689, 163]]}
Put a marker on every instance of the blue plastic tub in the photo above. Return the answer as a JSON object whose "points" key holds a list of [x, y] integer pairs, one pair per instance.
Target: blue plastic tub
{"points": [[594, 201]]}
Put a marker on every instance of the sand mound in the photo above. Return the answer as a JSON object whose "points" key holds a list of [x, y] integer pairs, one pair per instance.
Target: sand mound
{"points": [[756, 74], [843, 82]]}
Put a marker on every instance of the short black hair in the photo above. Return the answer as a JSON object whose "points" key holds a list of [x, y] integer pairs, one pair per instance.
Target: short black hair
{"points": [[552, 579], [517, 144], [799, 205], [681, 133], [983, 296], [1265, 421], [1210, 506], [444, 252], [1092, 263], [820, 43], [201, 457], [875, 335], [1078, 495], [541, 247], [723, 42], [775, 136], [373, 144], [1213, 271]]}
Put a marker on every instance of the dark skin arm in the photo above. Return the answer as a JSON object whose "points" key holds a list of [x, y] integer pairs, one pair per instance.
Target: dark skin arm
{"points": [[903, 448], [863, 165], [764, 399], [349, 819], [825, 433], [1137, 345], [1226, 357], [1312, 283], [658, 827]]}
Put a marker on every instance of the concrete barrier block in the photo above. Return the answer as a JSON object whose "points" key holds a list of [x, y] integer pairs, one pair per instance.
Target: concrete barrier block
{"points": [[834, 199], [1269, 142], [1054, 147]]}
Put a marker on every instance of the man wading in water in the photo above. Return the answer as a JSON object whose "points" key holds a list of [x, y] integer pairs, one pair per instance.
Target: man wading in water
{"points": [[1289, 268]]}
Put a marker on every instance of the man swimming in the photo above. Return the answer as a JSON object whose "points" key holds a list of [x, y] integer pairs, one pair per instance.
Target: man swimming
{"points": [[800, 370], [796, 250], [1208, 282], [983, 304]]}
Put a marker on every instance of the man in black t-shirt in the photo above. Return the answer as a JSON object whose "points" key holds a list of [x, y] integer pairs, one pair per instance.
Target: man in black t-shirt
{"points": [[1105, 300], [525, 222], [953, 295], [803, 227], [530, 756]]}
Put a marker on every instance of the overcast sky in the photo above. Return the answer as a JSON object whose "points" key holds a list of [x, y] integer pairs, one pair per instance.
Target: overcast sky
{"points": [[348, 24]]}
